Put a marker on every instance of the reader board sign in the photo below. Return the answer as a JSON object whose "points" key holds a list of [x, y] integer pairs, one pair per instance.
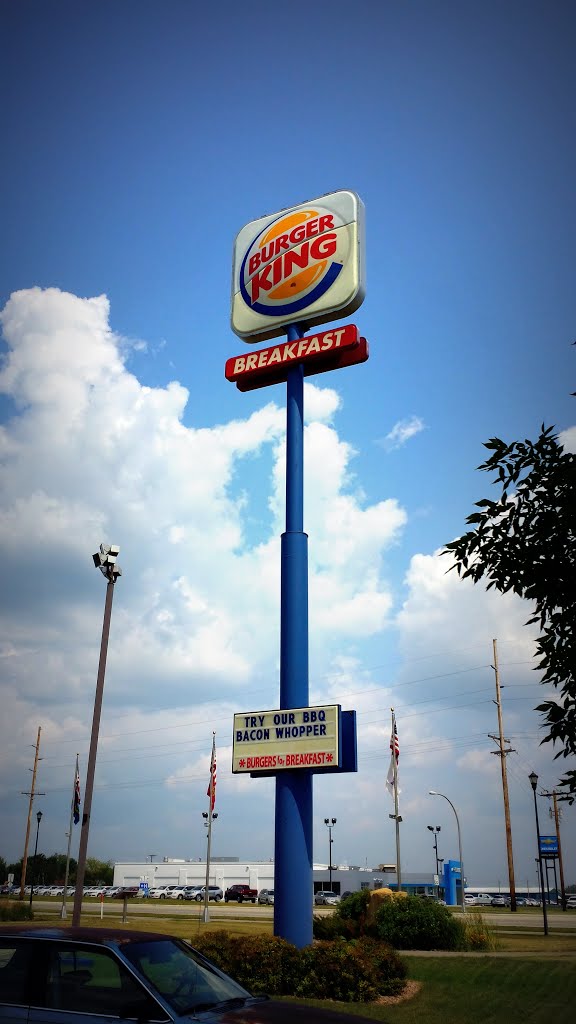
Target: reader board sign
{"points": [[270, 741], [329, 350], [304, 264]]}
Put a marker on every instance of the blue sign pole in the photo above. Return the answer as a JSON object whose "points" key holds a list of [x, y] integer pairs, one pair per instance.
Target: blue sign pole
{"points": [[293, 879]]}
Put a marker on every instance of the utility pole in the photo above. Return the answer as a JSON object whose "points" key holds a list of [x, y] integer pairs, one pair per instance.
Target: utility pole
{"points": [[105, 560], [502, 753], [554, 796], [31, 793]]}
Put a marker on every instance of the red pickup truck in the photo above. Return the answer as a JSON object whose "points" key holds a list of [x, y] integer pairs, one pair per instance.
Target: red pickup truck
{"points": [[240, 893]]}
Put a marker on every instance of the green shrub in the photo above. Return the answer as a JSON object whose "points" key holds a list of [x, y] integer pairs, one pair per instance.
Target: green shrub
{"points": [[414, 923], [261, 963], [391, 971], [15, 910], [351, 971], [217, 946], [478, 934], [333, 970], [334, 927], [354, 907]]}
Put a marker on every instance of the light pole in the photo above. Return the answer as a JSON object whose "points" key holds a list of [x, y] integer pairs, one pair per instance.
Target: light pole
{"points": [[435, 829], [534, 782], [330, 822], [105, 560], [38, 820], [209, 817], [433, 792]]}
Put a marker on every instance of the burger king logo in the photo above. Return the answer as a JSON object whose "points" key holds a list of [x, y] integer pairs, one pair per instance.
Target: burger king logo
{"points": [[304, 264], [293, 262]]}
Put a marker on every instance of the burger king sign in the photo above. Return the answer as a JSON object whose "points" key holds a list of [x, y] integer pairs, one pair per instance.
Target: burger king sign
{"points": [[302, 265]]}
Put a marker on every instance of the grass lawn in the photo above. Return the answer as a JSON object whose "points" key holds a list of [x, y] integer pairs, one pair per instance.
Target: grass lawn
{"points": [[484, 989], [480, 991]]}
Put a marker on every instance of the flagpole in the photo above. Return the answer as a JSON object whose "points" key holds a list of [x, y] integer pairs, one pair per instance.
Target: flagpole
{"points": [[396, 815], [206, 914], [64, 894]]}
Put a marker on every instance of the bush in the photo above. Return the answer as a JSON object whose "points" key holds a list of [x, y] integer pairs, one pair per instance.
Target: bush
{"points": [[355, 971], [391, 970], [15, 910], [354, 907], [414, 923], [478, 934], [261, 963], [332, 970], [334, 927]]}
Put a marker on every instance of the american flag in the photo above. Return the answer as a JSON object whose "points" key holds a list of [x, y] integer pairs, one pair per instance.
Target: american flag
{"points": [[394, 742], [76, 804], [391, 778], [211, 791]]}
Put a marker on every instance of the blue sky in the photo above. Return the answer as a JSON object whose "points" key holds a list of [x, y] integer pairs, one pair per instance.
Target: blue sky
{"points": [[138, 139]]}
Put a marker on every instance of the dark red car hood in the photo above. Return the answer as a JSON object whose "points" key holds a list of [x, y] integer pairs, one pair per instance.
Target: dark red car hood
{"points": [[271, 1011]]}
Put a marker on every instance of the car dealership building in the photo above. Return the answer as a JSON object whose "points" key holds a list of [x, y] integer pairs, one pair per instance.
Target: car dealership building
{"points": [[260, 875]]}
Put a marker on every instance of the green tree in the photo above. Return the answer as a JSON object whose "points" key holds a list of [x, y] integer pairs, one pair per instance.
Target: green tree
{"points": [[525, 541], [16, 870], [3, 870], [98, 872]]}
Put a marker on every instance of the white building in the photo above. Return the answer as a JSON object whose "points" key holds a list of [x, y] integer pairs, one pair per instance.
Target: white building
{"points": [[258, 874]]}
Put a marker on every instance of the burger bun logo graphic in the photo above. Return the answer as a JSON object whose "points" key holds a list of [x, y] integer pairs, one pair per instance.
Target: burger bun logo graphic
{"points": [[302, 264]]}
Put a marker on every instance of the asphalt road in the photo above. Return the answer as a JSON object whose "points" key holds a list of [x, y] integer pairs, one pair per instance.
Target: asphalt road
{"points": [[557, 919]]}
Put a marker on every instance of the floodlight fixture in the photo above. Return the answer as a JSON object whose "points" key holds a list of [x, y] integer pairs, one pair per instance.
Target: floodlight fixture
{"points": [[105, 560]]}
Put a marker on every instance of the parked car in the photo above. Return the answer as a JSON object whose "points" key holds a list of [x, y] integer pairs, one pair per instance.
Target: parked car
{"points": [[266, 896], [571, 903], [95, 975], [126, 892], [191, 892], [175, 891], [182, 889], [161, 892], [498, 901], [197, 893], [326, 898], [240, 893]]}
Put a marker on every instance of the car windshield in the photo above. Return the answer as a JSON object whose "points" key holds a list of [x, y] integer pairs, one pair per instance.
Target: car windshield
{"points": [[182, 976]]}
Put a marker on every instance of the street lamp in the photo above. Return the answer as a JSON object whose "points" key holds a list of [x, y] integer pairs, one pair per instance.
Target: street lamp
{"points": [[38, 820], [105, 560], [330, 822], [435, 829], [534, 782], [433, 792], [209, 817]]}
